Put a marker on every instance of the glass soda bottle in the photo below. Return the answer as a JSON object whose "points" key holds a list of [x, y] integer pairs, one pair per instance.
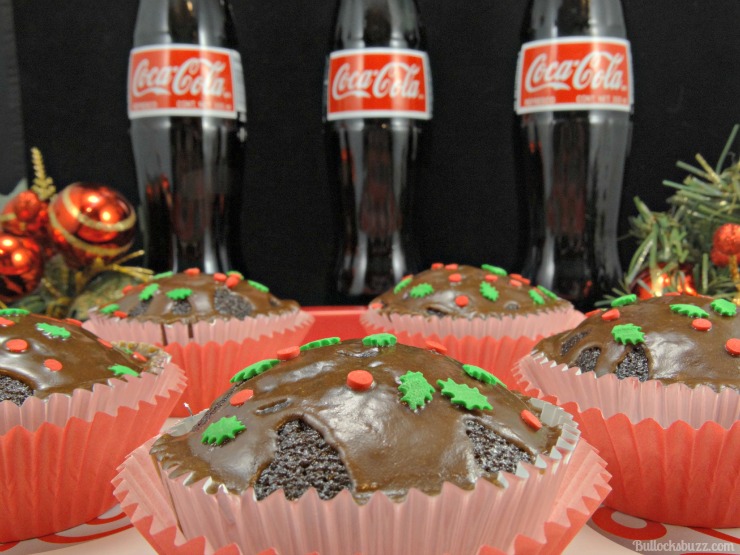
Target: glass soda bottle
{"points": [[377, 94], [574, 98], [187, 110]]}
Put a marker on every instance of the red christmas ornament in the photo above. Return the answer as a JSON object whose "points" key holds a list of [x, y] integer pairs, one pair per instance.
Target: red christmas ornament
{"points": [[664, 281], [89, 221], [726, 239], [21, 266], [25, 215]]}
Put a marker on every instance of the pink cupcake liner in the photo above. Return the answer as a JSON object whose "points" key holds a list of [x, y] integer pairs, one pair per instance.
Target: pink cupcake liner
{"points": [[210, 364], [56, 473], [673, 451], [507, 341], [219, 330], [538, 510]]}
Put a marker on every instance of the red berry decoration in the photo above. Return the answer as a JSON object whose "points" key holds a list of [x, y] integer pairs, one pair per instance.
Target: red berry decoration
{"points": [[726, 239], [718, 258], [21, 266], [89, 221]]}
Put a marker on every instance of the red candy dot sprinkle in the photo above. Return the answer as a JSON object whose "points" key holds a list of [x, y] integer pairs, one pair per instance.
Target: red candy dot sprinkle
{"points": [[451, 267], [53, 364], [120, 314], [437, 266], [437, 347], [520, 278], [592, 313], [4, 322], [241, 397], [462, 301], [73, 322], [376, 306], [219, 277], [232, 280], [192, 271], [455, 278], [288, 353], [515, 283], [531, 420], [126, 290], [733, 346], [16, 345], [138, 356], [359, 380], [491, 277], [104, 343], [611, 315], [701, 324]]}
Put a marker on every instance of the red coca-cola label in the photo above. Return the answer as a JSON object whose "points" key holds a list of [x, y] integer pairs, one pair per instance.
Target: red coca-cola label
{"points": [[185, 80], [577, 73], [378, 82]]}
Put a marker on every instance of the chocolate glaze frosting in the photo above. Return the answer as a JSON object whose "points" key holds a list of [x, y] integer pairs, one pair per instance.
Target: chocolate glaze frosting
{"points": [[449, 283], [27, 344], [383, 443], [674, 349], [209, 298]]}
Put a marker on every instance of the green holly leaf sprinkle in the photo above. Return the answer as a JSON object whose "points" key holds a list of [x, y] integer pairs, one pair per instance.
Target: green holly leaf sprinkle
{"points": [[495, 270], [421, 290], [163, 275], [548, 293], [464, 395], [109, 309], [628, 333], [417, 391], [488, 291], [220, 432], [179, 294], [690, 310], [121, 370], [14, 312], [724, 307], [148, 292], [624, 300], [481, 375], [52, 331], [320, 343], [402, 284], [254, 370], [536, 297], [258, 286], [236, 273], [380, 340]]}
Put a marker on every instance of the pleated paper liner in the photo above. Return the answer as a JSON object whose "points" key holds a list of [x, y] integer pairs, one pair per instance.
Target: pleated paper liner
{"points": [[58, 455], [539, 510], [673, 451], [217, 351], [495, 344]]}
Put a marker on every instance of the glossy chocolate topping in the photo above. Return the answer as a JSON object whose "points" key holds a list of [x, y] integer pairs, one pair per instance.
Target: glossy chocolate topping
{"points": [[466, 292], [191, 296], [58, 356], [382, 442], [683, 338]]}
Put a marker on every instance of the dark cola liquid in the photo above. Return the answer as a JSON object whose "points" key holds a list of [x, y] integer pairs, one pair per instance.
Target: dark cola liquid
{"points": [[373, 162], [572, 165], [189, 169]]}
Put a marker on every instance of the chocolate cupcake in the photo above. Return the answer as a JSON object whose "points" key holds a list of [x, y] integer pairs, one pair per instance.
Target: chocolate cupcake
{"points": [[211, 324], [483, 316], [654, 381], [362, 436], [72, 405]]}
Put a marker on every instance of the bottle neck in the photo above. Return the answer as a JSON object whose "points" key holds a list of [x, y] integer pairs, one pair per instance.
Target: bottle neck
{"points": [[201, 22], [546, 19], [369, 23]]}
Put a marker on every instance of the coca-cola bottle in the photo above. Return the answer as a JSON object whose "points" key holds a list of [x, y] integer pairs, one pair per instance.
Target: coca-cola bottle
{"points": [[187, 107], [378, 91], [574, 100]]}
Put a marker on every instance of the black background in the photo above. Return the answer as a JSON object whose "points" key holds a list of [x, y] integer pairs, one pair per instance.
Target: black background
{"points": [[73, 58]]}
